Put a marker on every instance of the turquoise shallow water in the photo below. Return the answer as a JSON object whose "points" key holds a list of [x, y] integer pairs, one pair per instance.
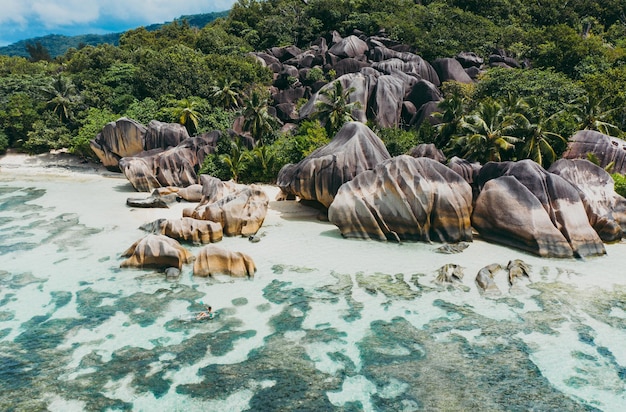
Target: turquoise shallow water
{"points": [[326, 324]]}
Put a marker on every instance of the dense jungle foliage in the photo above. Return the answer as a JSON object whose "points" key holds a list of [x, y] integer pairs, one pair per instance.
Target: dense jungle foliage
{"points": [[202, 77]]}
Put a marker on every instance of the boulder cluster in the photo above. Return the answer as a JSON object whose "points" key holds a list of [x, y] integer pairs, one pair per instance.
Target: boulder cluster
{"points": [[392, 84], [161, 154], [566, 211], [569, 210], [224, 208]]}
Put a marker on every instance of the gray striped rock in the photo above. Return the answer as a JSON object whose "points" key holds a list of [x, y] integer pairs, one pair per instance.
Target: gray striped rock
{"points": [[405, 198]]}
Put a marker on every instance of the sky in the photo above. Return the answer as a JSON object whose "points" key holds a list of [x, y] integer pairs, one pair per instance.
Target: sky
{"points": [[24, 19]]}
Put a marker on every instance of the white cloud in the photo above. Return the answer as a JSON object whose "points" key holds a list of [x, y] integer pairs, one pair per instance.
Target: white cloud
{"points": [[65, 13], [60, 13], [157, 11], [13, 12]]}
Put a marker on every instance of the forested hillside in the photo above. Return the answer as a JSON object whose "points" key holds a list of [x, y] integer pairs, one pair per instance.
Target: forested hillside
{"points": [[571, 76], [56, 45]]}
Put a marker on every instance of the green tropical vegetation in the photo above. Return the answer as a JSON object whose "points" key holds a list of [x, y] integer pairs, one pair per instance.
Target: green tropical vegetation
{"points": [[200, 74]]}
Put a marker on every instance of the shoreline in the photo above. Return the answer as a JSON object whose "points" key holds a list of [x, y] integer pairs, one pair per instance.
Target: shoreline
{"points": [[54, 162], [341, 303]]}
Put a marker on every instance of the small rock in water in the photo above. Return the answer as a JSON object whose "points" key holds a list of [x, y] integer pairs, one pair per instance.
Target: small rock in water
{"points": [[172, 273], [452, 248], [485, 282], [150, 202], [449, 273], [254, 239], [518, 270]]}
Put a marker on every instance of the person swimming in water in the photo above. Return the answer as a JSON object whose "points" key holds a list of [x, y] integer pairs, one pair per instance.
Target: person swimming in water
{"points": [[207, 314]]}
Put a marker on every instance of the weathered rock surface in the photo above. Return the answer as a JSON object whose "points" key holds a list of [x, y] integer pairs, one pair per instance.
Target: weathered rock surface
{"points": [[405, 198], [176, 166], [241, 213], [156, 251], [353, 150], [606, 210], [485, 280], [522, 205], [363, 85], [187, 229], [152, 202], [468, 171], [469, 59], [124, 137], [449, 69], [213, 260], [163, 135], [214, 189], [423, 92], [192, 193], [427, 150], [518, 270], [606, 149], [387, 100], [350, 46]]}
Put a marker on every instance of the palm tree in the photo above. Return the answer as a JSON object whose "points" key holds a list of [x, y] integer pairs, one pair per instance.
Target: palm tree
{"points": [[334, 108], [257, 120], [225, 94], [186, 113], [264, 163], [589, 112], [451, 112], [488, 133], [538, 140], [62, 95], [236, 160]]}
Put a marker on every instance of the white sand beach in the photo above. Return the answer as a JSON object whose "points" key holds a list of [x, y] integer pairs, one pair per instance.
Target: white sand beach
{"points": [[331, 322]]}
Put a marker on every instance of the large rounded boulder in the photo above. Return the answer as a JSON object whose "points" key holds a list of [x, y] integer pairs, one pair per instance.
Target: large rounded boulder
{"points": [[606, 209], [405, 198], [519, 201], [163, 135], [176, 166], [213, 260], [241, 213], [449, 69], [156, 251], [318, 177], [606, 149], [350, 46], [121, 138], [187, 229]]}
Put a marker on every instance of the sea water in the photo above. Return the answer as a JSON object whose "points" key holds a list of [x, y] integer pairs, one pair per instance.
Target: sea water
{"points": [[326, 323]]}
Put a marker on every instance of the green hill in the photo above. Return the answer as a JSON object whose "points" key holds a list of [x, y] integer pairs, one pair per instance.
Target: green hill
{"points": [[58, 44]]}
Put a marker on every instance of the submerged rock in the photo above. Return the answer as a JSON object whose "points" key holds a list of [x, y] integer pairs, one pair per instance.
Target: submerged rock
{"points": [[452, 248], [172, 273]]}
